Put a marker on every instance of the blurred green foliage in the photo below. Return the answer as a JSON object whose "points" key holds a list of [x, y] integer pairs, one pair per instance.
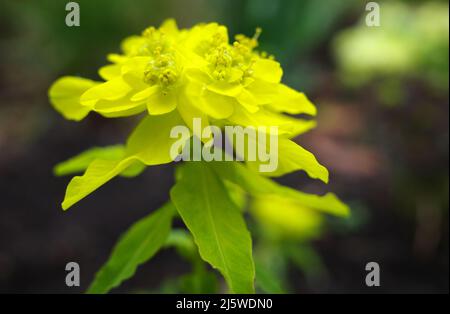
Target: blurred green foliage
{"points": [[412, 42]]}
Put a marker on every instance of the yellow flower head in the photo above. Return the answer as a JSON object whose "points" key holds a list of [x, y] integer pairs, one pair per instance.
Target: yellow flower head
{"points": [[177, 75], [197, 71]]}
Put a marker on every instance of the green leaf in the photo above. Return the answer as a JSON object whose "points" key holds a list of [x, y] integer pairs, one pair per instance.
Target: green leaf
{"points": [[258, 185], [149, 144], [81, 161], [183, 242], [283, 216], [267, 280], [292, 157], [137, 246], [306, 258], [98, 173], [200, 279], [216, 223]]}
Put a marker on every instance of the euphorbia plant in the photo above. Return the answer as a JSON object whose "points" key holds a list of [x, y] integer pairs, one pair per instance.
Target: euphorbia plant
{"points": [[172, 77]]}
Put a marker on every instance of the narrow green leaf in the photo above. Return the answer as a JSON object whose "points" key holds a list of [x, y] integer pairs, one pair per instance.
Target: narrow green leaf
{"points": [[289, 155], [216, 223], [183, 242], [292, 157], [81, 161], [200, 279], [149, 144], [258, 185], [98, 173], [136, 246], [267, 280]]}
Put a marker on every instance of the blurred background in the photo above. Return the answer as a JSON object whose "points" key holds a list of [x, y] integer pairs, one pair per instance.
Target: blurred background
{"points": [[383, 132]]}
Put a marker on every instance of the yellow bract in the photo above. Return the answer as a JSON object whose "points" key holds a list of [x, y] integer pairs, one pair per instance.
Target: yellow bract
{"points": [[166, 68], [176, 75]]}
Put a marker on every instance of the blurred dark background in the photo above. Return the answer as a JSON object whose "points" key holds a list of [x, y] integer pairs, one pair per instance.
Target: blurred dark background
{"points": [[383, 132]]}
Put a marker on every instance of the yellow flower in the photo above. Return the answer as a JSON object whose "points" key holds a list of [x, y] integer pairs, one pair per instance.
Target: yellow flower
{"points": [[175, 76]]}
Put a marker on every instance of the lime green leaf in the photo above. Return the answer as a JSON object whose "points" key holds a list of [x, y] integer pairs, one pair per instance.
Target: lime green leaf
{"points": [[283, 216], [258, 185], [81, 161], [183, 242], [216, 223], [267, 280], [200, 280], [137, 246], [284, 155], [135, 169], [150, 142], [98, 173], [287, 125], [292, 157], [305, 258], [328, 203]]}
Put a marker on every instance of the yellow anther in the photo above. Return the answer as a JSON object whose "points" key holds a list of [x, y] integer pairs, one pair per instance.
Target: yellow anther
{"points": [[167, 77], [220, 57], [258, 32], [221, 60], [219, 38], [161, 70], [249, 43], [150, 76], [149, 32]]}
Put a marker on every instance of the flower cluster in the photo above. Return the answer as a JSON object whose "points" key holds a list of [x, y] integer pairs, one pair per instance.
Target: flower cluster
{"points": [[174, 76]]}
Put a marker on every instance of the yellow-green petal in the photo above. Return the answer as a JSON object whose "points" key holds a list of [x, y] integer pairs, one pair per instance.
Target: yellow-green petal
{"points": [[248, 101], [267, 70], [189, 112], [108, 72], [225, 88], [293, 102], [161, 103], [214, 105], [144, 94], [292, 157], [150, 142], [264, 92], [65, 95], [111, 90], [287, 125]]}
